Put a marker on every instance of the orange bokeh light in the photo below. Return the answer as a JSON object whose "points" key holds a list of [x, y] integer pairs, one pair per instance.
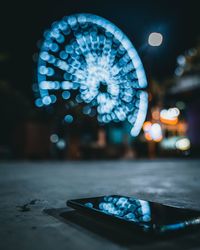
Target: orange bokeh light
{"points": [[156, 115], [147, 136], [147, 126], [173, 121]]}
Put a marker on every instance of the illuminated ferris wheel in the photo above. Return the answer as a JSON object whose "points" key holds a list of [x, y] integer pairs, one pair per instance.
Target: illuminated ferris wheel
{"points": [[88, 60]]}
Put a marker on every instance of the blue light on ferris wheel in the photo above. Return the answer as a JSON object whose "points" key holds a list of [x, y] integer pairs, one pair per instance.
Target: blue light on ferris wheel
{"points": [[86, 59]]}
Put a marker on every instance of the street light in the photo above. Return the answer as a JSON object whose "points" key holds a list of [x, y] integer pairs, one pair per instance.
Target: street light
{"points": [[155, 39]]}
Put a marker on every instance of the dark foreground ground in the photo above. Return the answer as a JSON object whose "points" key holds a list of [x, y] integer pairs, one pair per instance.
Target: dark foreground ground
{"points": [[27, 188]]}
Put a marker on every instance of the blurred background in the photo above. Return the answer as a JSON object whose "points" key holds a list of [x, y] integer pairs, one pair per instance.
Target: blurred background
{"points": [[172, 67]]}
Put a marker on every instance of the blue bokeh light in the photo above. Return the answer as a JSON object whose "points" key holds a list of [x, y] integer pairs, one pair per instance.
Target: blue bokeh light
{"points": [[68, 118], [38, 103], [66, 95], [88, 56], [46, 100], [126, 208]]}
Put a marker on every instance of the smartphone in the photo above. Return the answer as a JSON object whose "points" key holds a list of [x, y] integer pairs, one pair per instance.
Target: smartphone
{"points": [[143, 216]]}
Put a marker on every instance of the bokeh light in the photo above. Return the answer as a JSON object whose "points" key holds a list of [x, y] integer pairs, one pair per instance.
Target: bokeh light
{"points": [[183, 144], [54, 138], [155, 39], [61, 144], [87, 59], [169, 116], [152, 131], [68, 118]]}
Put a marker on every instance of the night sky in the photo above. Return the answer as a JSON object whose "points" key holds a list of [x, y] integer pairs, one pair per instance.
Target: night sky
{"points": [[23, 22]]}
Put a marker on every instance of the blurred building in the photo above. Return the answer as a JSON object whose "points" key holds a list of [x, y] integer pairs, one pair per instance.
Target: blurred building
{"points": [[174, 110]]}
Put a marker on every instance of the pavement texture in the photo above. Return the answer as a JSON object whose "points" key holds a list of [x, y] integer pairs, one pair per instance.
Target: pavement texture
{"points": [[33, 195]]}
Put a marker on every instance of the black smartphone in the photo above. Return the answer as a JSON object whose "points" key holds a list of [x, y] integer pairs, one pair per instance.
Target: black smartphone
{"points": [[144, 216]]}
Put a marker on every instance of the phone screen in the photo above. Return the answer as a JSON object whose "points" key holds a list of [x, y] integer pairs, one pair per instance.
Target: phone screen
{"points": [[148, 216]]}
